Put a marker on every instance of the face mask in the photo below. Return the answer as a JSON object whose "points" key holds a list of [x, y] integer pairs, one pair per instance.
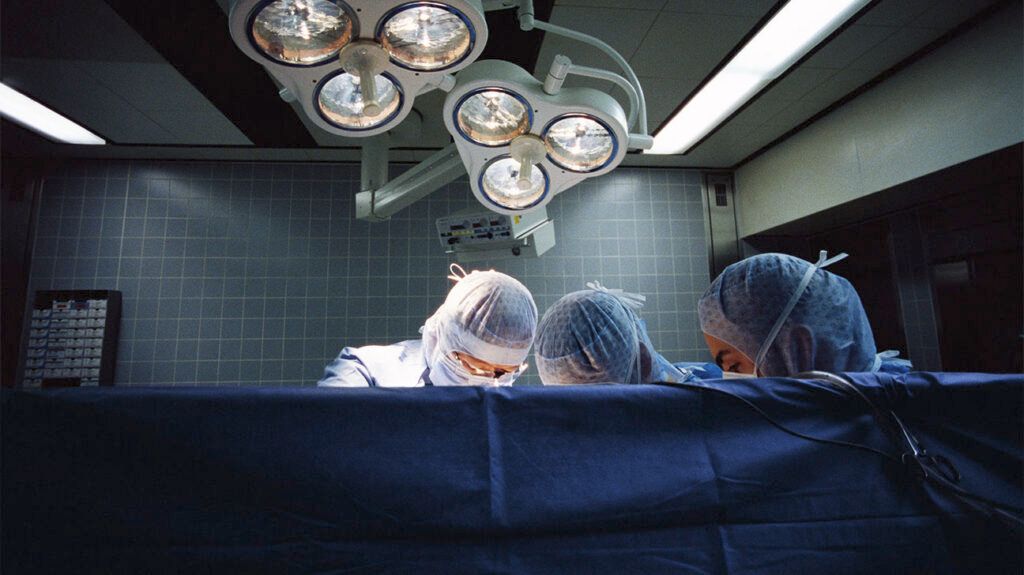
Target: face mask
{"points": [[450, 371], [734, 375]]}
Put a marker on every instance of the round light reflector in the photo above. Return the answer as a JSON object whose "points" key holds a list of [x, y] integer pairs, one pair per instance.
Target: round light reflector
{"points": [[492, 117], [341, 102], [500, 184], [302, 32], [580, 143], [425, 36]]}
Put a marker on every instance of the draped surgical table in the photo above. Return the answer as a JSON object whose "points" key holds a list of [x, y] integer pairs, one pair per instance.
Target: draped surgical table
{"points": [[742, 476]]}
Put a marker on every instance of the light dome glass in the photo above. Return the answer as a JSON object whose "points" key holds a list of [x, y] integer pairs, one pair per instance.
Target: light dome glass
{"points": [[493, 117], [341, 102], [425, 36], [500, 183], [579, 143], [302, 32]]}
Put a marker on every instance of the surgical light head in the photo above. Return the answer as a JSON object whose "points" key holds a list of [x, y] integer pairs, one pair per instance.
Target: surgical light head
{"points": [[521, 145], [426, 35], [344, 101], [580, 143], [493, 117], [356, 66], [302, 32]]}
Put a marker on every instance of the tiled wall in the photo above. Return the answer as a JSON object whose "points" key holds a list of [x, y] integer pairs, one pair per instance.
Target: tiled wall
{"points": [[258, 273], [913, 284]]}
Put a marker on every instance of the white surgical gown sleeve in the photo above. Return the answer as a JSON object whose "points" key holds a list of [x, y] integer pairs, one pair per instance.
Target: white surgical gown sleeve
{"points": [[346, 370], [396, 365]]}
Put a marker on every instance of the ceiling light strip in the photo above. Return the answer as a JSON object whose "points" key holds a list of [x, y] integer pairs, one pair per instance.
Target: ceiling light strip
{"points": [[791, 33], [37, 117]]}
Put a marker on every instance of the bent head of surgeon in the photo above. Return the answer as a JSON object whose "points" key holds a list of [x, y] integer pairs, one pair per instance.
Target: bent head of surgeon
{"points": [[482, 333], [596, 336], [778, 315]]}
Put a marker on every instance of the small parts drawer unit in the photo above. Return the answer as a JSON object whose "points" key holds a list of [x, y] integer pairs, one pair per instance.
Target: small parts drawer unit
{"points": [[72, 338]]}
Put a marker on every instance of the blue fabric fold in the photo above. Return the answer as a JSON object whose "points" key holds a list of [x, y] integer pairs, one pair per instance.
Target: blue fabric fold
{"points": [[592, 479]]}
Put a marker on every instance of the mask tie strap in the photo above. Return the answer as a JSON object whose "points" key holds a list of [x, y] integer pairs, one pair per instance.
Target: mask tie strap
{"points": [[456, 273], [823, 261]]}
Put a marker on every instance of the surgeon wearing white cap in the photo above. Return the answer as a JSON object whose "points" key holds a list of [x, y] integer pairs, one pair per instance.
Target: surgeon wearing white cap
{"points": [[480, 335]]}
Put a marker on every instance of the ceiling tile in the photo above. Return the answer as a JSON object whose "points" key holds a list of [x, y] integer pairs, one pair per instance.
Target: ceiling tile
{"points": [[894, 12], [838, 86], [947, 14], [729, 145], [80, 30], [755, 8], [850, 44], [199, 126], [794, 114], [800, 81], [894, 49], [67, 88], [761, 110], [623, 29], [686, 45], [148, 85]]}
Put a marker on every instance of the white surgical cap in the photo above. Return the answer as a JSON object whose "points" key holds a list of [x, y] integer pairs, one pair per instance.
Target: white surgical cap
{"points": [[487, 315], [596, 336], [743, 304]]}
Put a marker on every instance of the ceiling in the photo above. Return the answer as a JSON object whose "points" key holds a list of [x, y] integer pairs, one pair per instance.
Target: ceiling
{"points": [[157, 92]]}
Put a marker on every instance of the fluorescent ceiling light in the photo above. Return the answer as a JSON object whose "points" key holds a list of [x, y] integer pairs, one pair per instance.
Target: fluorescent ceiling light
{"points": [[788, 36], [37, 117]]}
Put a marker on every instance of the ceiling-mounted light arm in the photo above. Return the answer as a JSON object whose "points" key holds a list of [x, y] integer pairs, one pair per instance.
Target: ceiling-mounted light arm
{"points": [[562, 67], [377, 205], [527, 150], [445, 83], [527, 23], [373, 167], [364, 60]]}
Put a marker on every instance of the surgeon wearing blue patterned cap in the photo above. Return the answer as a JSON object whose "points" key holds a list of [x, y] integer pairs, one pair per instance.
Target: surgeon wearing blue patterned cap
{"points": [[596, 336], [778, 315]]}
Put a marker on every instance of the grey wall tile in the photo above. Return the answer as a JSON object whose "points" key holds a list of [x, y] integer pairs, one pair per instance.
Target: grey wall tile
{"points": [[258, 274]]}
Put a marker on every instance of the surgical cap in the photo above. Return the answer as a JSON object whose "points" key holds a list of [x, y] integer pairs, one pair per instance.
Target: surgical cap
{"points": [[826, 330], [487, 315], [591, 336]]}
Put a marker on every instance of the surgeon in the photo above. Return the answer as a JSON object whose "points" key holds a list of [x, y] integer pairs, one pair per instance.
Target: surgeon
{"points": [[481, 335], [596, 336], [778, 315]]}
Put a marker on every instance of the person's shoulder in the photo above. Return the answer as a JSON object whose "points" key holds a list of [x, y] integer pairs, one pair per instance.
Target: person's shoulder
{"points": [[400, 351]]}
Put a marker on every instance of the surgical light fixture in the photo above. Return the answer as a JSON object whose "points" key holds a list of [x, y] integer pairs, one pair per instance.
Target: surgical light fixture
{"points": [[523, 141], [37, 117], [522, 145], [356, 66], [788, 36]]}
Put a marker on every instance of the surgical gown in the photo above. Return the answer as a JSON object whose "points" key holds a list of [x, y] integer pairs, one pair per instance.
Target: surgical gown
{"points": [[396, 365]]}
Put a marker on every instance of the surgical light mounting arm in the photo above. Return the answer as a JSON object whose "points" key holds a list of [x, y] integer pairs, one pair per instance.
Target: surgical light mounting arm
{"points": [[380, 199], [527, 22]]}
